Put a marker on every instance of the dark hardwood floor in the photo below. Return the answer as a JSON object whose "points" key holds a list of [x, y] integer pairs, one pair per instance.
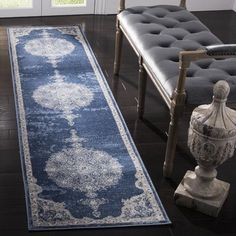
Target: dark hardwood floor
{"points": [[147, 134]]}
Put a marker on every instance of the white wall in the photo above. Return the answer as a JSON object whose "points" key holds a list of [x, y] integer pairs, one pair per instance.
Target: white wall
{"points": [[205, 5], [110, 6], [234, 6]]}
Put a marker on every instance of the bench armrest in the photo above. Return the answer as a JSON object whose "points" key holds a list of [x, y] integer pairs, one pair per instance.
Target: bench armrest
{"points": [[214, 51], [221, 50], [186, 57], [122, 5]]}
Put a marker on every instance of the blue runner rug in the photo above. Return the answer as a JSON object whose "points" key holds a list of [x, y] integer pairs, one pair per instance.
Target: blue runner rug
{"points": [[81, 168]]}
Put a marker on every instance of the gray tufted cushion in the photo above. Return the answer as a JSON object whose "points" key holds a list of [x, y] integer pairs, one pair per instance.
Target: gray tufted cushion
{"points": [[160, 33]]}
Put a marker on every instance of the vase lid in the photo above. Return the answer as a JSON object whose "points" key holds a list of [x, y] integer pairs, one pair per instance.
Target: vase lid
{"points": [[216, 116]]}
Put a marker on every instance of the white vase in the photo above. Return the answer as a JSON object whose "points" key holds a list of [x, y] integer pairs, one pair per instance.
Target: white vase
{"points": [[212, 140]]}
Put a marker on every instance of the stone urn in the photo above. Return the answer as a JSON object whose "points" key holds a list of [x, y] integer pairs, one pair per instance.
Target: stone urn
{"points": [[212, 141]]}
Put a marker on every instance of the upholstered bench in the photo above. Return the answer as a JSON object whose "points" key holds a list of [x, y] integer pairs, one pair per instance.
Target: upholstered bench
{"points": [[167, 39]]}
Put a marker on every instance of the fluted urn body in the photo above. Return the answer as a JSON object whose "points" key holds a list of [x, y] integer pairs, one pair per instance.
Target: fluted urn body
{"points": [[212, 140]]}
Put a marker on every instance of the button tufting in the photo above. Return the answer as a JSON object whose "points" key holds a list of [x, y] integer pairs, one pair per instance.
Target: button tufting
{"points": [[136, 12], [192, 31], [182, 20], [214, 81], [155, 32], [204, 43], [164, 45], [160, 33], [178, 37], [169, 26], [174, 59], [231, 73]]}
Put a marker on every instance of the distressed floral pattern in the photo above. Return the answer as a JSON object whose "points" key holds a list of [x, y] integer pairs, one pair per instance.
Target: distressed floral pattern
{"points": [[81, 166], [86, 170]]}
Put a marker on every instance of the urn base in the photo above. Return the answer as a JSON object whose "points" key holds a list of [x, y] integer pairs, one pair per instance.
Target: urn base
{"points": [[210, 206]]}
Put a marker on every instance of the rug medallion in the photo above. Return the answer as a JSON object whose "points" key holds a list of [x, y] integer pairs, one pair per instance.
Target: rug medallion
{"points": [[81, 168]]}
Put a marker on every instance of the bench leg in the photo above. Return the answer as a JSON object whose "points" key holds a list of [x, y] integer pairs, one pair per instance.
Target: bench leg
{"points": [[118, 48], [171, 146], [176, 111], [141, 89]]}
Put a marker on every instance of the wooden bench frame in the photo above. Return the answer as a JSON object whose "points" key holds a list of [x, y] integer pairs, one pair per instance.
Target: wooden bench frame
{"points": [[177, 103]]}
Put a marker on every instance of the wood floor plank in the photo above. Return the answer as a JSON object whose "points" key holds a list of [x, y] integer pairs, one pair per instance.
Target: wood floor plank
{"points": [[148, 134]]}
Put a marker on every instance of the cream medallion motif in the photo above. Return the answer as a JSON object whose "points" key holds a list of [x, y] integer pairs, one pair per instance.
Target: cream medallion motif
{"points": [[87, 172], [76, 168]]}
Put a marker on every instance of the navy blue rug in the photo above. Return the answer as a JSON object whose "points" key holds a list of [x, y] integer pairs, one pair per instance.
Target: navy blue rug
{"points": [[81, 168]]}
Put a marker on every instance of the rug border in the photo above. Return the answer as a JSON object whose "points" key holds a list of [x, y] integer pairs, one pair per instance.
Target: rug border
{"points": [[28, 207], [29, 217]]}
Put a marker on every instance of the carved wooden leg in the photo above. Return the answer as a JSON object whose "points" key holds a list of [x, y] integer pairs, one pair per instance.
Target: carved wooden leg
{"points": [[176, 112], [118, 48], [141, 89], [171, 147]]}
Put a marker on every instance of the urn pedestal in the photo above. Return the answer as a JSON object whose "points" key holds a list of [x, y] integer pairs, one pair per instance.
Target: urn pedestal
{"points": [[212, 140]]}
